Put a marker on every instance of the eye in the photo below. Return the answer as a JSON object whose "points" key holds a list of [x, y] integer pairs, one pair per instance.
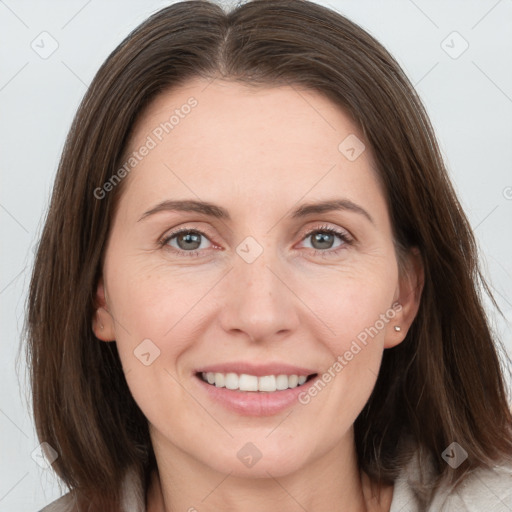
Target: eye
{"points": [[323, 238], [186, 241], [191, 242]]}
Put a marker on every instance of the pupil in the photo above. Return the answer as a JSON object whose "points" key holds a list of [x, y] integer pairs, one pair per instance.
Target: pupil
{"points": [[324, 239], [189, 238]]}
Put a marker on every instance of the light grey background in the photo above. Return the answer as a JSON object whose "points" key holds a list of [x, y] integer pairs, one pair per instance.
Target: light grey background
{"points": [[468, 96]]}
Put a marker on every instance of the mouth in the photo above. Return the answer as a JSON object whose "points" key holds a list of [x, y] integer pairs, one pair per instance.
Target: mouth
{"points": [[254, 384]]}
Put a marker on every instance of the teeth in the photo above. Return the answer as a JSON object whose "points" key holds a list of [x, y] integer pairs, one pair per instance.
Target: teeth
{"points": [[218, 379], [231, 381], [245, 382], [293, 381], [282, 382]]}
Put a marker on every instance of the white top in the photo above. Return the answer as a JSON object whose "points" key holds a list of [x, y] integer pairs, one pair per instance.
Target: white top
{"points": [[483, 490], [488, 490]]}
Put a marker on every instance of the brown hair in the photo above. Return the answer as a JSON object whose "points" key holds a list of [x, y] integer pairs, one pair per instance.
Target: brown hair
{"points": [[442, 384]]}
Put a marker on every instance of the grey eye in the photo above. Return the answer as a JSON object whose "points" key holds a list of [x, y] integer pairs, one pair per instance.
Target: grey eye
{"points": [[187, 240], [322, 240]]}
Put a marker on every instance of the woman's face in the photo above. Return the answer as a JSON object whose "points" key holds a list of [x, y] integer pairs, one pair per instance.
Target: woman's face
{"points": [[267, 283]]}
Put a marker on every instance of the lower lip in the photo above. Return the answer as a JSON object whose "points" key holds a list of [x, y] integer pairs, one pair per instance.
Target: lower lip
{"points": [[255, 403]]}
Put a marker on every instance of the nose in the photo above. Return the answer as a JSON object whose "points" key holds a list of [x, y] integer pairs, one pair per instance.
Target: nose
{"points": [[257, 300]]}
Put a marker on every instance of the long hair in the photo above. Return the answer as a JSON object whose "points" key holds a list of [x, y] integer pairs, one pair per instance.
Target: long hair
{"points": [[443, 383]]}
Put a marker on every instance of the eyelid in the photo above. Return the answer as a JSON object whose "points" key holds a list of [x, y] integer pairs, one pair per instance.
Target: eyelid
{"points": [[323, 226], [170, 233]]}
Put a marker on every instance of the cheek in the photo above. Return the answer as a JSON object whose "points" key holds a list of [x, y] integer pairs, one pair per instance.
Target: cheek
{"points": [[354, 305], [157, 310], [357, 308], [152, 301], [151, 340]]}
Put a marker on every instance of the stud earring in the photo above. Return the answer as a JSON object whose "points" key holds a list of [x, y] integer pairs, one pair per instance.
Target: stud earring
{"points": [[398, 328], [101, 326]]}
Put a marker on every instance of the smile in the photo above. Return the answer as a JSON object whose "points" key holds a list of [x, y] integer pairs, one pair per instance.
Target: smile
{"points": [[246, 382]]}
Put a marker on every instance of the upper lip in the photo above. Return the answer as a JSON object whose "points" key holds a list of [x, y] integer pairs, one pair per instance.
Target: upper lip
{"points": [[241, 367]]}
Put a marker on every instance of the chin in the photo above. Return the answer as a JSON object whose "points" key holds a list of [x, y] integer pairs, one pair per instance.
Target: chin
{"points": [[259, 460]]}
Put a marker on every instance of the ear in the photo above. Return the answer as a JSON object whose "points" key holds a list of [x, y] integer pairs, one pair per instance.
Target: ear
{"points": [[103, 322], [407, 297]]}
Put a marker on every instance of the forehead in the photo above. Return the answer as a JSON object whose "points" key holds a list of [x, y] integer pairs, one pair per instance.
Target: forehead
{"points": [[225, 138], [226, 111]]}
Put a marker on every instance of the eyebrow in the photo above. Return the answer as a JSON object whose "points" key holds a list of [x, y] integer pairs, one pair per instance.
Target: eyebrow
{"points": [[219, 212]]}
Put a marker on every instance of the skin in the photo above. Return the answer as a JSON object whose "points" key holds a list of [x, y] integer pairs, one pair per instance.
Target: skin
{"points": [[258, 153]]}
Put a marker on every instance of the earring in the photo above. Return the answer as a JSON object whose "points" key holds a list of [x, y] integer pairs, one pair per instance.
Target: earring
{"points": [[101, 326], [398, 328]]}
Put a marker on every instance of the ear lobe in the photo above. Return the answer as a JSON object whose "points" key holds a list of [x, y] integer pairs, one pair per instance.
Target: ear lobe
{"points": [[410, 288], [102, 323]]}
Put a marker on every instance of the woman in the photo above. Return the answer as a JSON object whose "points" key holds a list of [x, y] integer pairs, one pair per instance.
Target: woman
{"points": [[256, 288]]}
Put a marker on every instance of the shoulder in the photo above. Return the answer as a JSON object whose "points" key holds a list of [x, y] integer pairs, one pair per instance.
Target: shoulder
{"points": [[481, 489], [65, 503], [133, 494]]}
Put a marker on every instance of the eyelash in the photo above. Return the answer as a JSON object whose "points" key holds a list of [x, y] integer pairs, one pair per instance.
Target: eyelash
{"points": [[345, 238]]}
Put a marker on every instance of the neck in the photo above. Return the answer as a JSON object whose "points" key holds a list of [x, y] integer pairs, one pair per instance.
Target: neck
{"points": [[332, 482]]}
